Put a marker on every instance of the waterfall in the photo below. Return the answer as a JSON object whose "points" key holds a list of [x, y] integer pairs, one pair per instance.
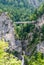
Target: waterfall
{"points": [[22, 60]]}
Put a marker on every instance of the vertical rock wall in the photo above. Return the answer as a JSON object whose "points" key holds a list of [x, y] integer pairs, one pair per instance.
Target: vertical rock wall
{"points": [[7, 32]]}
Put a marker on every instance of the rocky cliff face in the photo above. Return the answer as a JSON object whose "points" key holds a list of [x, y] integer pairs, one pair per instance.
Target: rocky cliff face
{"points": [[7, 33], [6, 30]]}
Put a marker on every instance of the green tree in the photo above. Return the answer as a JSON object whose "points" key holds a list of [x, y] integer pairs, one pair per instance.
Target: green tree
{"points": [[6, 58]]}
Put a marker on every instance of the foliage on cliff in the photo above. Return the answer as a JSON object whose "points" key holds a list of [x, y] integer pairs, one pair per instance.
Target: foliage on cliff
{"points": [[37, 59], [6, 58]]}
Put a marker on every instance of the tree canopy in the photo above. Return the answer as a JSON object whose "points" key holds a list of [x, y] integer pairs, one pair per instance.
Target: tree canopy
{"points": [[6, 58]]}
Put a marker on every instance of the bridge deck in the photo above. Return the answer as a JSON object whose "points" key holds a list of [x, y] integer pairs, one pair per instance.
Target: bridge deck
{"points": [[24, 22]]}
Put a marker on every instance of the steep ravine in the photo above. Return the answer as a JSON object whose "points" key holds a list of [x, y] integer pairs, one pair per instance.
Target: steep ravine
{"points": [[7, 32]]}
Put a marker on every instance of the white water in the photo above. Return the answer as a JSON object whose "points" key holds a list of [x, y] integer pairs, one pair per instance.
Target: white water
{"points": [[22, 60]]}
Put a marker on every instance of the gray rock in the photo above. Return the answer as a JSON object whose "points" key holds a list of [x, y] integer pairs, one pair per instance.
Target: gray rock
{"points": [[7, 32], [40, 47]]}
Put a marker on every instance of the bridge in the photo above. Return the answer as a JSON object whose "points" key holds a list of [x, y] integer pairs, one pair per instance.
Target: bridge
{"points": [[24, 22]]}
